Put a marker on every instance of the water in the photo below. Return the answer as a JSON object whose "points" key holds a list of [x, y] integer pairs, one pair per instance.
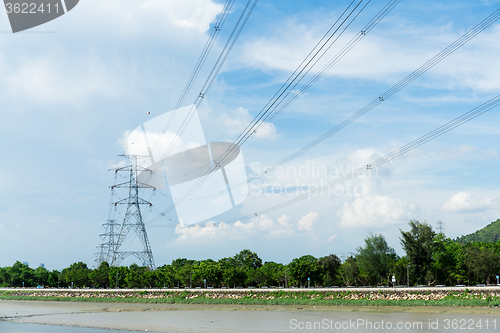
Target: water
{"points": [[9, 327], [59, 317]]}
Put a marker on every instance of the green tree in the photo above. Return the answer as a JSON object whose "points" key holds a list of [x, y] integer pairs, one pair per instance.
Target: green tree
{"points": [[349, 271], [418, 244], [42, 276], [136, 277], [78, 273], [55, 279], [248, 259], [305, 267], [330, 266], [446, 261], [210, 271], [400, 270], [376, 259], [232, 274], [4, 277], [20, 273], [165, 276], [100, 276], [272, 273], [482, 260], [117, 276], [181, 262]]}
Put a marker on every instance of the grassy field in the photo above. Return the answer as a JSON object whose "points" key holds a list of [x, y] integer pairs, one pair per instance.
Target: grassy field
{"points": [[465, 299]]}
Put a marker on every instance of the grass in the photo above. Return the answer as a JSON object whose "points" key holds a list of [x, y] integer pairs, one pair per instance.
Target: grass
{"points": [[449, 302]]}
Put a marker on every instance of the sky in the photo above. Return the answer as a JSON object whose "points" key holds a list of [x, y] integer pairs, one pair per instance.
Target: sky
{"points": [[72, 89]]}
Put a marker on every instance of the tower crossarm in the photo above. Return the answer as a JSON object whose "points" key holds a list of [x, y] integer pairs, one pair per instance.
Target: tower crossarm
{"points": [[127, 201]]}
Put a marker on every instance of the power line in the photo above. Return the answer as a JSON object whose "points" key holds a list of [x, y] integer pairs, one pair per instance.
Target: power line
{"points": [[322, 46], [494, 102], [245, 15], [383, 97], [171, 58], [201, 60]]}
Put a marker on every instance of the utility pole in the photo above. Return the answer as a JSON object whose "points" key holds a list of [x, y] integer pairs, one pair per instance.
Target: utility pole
{"points": [[408, 276]]}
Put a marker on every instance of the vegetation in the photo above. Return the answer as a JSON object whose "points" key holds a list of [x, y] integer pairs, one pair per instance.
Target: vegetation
{"points": [[489, 234], [431, 259], [270, 297]]}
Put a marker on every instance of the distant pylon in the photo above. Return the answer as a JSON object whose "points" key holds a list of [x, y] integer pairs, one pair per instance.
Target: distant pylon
{"points": [[110, 249], [106, 249], [440, 227]]}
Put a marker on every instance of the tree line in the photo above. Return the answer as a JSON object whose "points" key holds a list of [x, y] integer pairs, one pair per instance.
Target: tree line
{"points": [[430, 259]]}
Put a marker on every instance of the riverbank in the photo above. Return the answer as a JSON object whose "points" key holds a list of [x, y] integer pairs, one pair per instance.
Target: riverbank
{"points": [[225, 317], [474, 297]]}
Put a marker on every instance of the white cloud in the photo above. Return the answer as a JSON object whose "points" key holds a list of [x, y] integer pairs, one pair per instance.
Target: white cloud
{"points": [[235, 121], [59, 79], [154, 16], [284, 220], [468, 152], [376, 211], [465, 202], [306, 222], [390, 55], [267, 131], [224, 232], [331, 238]]}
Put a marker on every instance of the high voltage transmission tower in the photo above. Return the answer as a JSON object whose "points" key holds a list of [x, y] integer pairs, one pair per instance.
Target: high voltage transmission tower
{"points": [[111, 248], [440, 227]]}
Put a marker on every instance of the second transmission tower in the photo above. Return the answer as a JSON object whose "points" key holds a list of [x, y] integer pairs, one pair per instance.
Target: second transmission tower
{"points": [[132, 221]]}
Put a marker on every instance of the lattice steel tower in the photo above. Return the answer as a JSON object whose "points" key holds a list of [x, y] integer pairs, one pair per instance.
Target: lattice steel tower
{"points": [[110, 250], [440, 227]]}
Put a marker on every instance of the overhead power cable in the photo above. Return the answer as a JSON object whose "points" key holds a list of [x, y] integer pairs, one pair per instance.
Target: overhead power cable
{"points": [[203, 56], [466, 117], [383, 97], [245, 15], [171, 58], [344, 20], [325, 43]]}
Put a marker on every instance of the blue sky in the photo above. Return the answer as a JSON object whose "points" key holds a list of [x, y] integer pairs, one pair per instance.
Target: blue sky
{"points": [[71, 88]]}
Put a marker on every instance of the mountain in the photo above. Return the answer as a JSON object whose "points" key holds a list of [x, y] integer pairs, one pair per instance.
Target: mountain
{"points": [[490, 234]]}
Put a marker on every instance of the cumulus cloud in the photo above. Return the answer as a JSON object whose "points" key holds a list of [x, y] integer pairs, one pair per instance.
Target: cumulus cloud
{"points": [[331, 238], [466, 202], [389, 55], [267, 131], [43, 79], [237, 120], [284, 220], [468, 152], [306, 222], [256, 227], [376, 211], [155, 16]]}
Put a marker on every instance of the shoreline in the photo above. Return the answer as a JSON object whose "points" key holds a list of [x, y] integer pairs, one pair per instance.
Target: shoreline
{"points": [[210, 318], [478, 297]]}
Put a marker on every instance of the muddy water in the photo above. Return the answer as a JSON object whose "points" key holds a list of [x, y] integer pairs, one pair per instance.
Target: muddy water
{"points": [[29, 316]]}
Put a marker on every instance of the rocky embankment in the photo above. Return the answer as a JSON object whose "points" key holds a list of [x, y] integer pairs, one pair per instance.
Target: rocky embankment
{"points": [[261, 294]]}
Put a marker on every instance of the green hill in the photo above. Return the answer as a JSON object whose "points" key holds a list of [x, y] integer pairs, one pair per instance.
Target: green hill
{"points": [[490, 234]]}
